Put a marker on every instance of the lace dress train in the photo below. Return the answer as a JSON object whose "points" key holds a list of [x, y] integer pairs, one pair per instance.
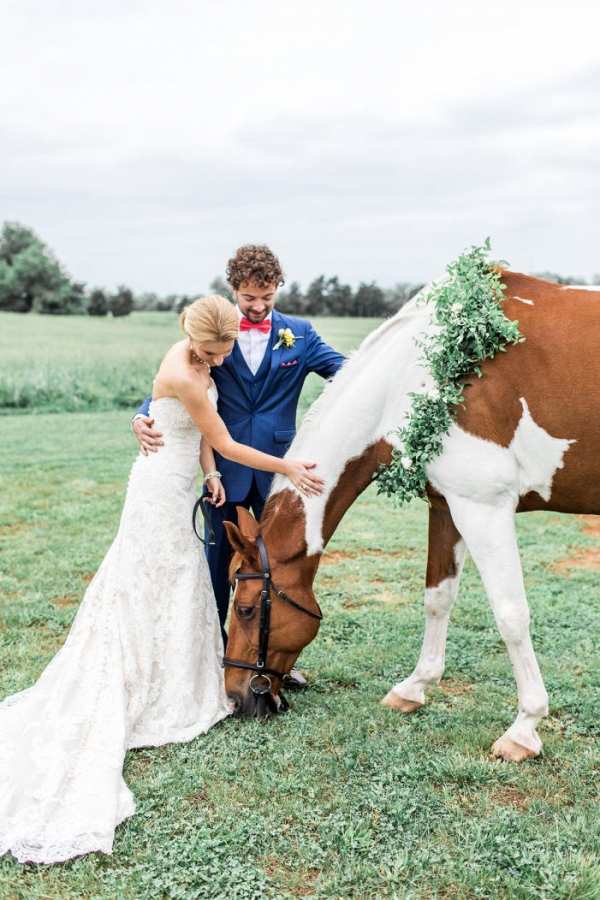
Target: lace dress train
{"points": [[141, 666]]}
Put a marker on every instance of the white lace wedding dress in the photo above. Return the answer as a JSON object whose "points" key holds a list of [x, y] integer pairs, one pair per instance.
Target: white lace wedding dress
{"points": [[141, 667]]}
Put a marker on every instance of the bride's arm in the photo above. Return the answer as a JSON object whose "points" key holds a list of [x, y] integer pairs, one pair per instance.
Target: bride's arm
{"points": [[193, 394], [214, 485], [207, 456]]}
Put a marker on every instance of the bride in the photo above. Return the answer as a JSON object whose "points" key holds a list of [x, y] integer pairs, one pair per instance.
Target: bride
{"points": [[141, 665]]}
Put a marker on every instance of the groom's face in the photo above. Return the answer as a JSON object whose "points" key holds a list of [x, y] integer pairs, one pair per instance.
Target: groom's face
{"points": [[255, 302]]}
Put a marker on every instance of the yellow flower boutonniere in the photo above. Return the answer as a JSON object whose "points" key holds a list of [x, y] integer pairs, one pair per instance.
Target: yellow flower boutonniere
{"points": [[286, 338]]}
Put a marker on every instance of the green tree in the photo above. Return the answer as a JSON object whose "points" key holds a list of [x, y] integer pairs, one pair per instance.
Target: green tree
{"points": [[67, 299], [97, 303], [397, 296], [327, 297], [31, 278], [292, 301], [165, 304], [369, 300], [121, 303]]}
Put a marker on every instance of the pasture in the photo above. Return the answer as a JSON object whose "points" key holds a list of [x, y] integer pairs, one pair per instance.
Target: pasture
{"points": [[82, 364], [341, 797]]}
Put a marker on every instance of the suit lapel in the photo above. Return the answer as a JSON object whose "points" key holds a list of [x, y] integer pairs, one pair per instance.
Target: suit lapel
{"points": [[239, 365], [276, 324]]}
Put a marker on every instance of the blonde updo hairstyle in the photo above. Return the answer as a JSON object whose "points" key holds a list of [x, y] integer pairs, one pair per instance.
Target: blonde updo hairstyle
{"points": [[211, 319]]}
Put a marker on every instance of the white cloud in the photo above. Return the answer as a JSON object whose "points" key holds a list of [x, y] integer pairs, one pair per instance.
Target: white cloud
{"points": [[145, 141]]}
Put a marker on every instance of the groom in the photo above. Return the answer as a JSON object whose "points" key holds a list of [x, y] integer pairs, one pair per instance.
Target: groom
{"points": [[259, 387]]}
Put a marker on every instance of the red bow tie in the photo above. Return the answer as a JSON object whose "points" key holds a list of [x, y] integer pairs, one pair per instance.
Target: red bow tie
{"points": [[247, 325]]}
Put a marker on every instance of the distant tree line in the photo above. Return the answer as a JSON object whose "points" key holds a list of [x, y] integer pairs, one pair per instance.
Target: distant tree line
{"points": [[32, 280], [323, 297]]}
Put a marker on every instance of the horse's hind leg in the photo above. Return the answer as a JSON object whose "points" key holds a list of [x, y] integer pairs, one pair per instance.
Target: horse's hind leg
{"points": [[490, 535], [445, 560]]}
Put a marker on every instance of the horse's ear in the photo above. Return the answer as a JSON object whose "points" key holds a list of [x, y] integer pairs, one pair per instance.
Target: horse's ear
{"points": [[247, 522], [241, 544]]}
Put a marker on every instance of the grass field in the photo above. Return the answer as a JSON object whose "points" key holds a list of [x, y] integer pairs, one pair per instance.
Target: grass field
{"points": [[79, 363], [340, 798]]}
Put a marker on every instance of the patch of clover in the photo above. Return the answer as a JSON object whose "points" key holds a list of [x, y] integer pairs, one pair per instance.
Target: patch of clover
{"points": [[472, 327]]}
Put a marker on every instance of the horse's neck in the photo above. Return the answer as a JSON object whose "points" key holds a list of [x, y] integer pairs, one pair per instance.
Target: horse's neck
{"points": [[284, 523], [349, 431], [357, 476]]}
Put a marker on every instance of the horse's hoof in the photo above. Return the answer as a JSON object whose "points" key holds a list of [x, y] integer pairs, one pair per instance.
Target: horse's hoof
{"points": [[395, 701], [509, 750]]}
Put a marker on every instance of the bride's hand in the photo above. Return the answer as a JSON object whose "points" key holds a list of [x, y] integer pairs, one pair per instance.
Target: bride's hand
{"points": [[301, 477], [216, 490]]}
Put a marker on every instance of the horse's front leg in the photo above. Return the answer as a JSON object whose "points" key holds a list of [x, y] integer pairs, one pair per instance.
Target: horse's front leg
{"points": [[490, 535], [445, 560]]}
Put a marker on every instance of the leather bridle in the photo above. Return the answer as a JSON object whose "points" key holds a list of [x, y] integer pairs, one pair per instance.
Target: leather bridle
{"points": [[260, 668]]}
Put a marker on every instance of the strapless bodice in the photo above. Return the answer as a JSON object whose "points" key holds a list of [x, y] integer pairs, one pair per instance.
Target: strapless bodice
{"points": [[180, 454]]}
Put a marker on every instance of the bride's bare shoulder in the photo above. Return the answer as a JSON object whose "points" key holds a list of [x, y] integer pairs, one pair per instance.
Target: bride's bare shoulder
{"points": [[176, 354], [177, 372]]}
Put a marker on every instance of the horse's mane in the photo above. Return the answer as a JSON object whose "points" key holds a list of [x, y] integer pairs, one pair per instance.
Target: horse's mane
{"points": [[338, 382]]}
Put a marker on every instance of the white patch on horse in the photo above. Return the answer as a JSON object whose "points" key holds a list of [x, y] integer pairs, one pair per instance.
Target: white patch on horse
{"points": [[485, 472], [523, 300], [581, 287], [538, 454], [365, 402]]}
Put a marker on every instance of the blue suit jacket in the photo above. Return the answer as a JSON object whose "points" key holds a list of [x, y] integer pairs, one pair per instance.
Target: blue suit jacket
{"points": [[267, 422]]}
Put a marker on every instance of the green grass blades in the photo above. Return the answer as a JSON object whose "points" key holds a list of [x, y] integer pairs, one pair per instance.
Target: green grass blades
{"points": [[341, 797]]}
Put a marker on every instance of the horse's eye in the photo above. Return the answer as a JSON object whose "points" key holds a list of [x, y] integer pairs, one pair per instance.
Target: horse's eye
{"points": [[245, 612]]}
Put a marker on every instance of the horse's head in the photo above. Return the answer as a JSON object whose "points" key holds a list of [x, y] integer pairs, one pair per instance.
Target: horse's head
{"points": [[274, 616]]}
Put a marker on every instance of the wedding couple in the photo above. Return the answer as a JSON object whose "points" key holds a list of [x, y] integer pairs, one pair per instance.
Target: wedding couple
{"points": [[141, 665]]}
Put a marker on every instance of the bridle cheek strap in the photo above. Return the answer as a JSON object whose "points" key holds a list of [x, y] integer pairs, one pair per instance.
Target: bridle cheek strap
{"points": [[264, 626]]}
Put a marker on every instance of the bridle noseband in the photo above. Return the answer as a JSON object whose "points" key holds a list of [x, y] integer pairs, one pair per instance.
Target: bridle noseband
{"points": [[262, 671]]}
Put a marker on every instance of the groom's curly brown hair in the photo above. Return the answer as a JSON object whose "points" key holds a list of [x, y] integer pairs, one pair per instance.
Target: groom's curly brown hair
{"points": [[254, 264]]}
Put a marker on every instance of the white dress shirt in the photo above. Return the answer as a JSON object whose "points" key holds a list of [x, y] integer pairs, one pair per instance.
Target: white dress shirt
{"points": [[253, 345]]}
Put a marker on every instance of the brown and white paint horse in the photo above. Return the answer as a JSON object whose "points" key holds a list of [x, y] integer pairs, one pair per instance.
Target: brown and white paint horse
{"points": [[527, 439]]}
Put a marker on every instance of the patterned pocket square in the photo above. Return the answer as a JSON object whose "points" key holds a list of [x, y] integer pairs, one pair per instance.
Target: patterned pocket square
{"points": [[294, 362]]}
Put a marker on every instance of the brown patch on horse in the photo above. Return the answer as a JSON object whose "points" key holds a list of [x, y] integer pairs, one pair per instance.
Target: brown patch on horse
{"points": [[557, 371], [443, 538], [356, 476]]}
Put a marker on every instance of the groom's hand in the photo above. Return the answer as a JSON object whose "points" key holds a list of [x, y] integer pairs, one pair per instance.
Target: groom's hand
{"points": [[149, 438]]}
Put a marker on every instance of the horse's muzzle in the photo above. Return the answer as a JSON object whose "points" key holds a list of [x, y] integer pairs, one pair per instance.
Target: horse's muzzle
{"points": [[254, 705]]}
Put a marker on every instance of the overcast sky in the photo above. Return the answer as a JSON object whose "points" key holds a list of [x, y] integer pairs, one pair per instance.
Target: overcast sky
{"points": [[144, 140]]}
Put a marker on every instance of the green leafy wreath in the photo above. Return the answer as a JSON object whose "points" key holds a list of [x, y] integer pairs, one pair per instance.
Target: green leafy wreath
{"points": [[473, 327]]}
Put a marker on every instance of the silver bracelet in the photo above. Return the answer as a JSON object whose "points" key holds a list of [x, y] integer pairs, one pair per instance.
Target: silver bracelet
{"points": [[211, 475]]}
